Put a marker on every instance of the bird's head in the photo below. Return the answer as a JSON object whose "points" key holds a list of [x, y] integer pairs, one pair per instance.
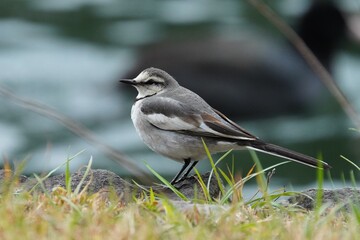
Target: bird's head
{"points": [[152, 81]]}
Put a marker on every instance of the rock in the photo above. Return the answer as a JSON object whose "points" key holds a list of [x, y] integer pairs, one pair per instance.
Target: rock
{"points": [[331, 198], [99, 180], [95, 181], [102, 181]]}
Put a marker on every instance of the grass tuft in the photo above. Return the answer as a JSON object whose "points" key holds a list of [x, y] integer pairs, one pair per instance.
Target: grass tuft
{"points": [[57, 214]]}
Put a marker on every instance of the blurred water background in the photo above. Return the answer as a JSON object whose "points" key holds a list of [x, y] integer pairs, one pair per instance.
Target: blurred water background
{"points": [[70, 54]]}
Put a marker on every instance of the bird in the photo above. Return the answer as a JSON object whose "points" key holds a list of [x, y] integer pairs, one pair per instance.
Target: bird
{"points": [[264, 64], [173, 121]]}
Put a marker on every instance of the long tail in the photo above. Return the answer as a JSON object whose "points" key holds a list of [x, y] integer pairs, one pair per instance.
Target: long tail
{"points": [[287, 154]]}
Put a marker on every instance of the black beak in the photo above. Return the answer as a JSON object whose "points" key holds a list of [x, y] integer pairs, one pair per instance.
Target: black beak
{"points": [[128, 81]]}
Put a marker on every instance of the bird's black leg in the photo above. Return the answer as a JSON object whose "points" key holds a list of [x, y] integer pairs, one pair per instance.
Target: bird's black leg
{"points": [[189, 170], [186, 163]]}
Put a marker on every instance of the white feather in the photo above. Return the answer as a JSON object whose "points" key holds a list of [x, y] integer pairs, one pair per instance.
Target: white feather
{"points": [[169, 123]]}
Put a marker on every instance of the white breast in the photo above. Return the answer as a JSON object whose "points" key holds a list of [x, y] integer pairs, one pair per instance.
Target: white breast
{"points": [[135, 111], [136, 115], [142, 126]]}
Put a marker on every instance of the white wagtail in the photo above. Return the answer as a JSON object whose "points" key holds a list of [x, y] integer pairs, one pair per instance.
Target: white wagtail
{"points": [[173, 120]]}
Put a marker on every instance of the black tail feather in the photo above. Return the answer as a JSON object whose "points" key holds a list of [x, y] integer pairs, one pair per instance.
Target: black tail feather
{"points": [[287, 154]]}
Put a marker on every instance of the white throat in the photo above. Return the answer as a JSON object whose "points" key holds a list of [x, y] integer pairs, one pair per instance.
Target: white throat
{"points": [[143, 93]]}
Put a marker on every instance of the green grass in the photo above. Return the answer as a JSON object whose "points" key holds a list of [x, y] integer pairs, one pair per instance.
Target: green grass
{"points": [[67, 213], [59, 215]]}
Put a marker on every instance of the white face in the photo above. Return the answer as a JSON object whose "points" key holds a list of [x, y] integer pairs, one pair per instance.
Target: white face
{"points": [[148, 85]]}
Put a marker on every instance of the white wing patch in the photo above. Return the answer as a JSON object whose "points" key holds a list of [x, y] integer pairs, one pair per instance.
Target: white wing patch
{"points": [[169, 123]]}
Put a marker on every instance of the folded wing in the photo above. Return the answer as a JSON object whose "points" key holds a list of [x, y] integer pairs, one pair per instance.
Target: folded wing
{"points": [[171, 115]]}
